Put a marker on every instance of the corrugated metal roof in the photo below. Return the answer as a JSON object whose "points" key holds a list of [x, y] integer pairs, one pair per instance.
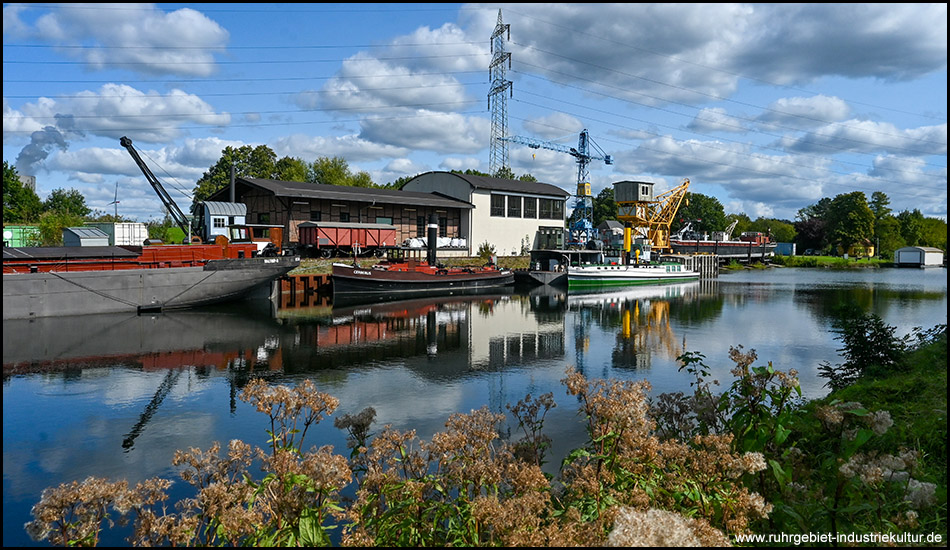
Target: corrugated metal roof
{"points": [[216, 208], [304, 190], [87, 232]]}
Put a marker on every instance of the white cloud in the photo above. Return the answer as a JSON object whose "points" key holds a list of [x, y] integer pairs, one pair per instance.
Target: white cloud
{"points": [[137, 37]]}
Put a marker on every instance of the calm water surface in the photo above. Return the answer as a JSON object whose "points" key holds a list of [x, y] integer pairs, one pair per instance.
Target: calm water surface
{"points": [[115, 396]]}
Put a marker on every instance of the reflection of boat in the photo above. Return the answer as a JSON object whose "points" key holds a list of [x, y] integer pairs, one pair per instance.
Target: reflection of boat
{"points": [[619, 274], [750, 245], [609, 295], [43, 282], [350, 299], [151, 342]]}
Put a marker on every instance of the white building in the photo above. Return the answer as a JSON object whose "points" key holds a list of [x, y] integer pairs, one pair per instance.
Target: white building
{"points": [[918, 256], [506, 214]]}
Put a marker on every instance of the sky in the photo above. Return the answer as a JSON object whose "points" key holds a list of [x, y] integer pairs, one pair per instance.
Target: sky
{"points": [[766, 107]]}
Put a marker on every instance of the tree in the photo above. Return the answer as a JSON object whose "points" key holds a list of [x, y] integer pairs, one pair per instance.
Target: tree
{"points": [[744, 223], [878, 205], [336, 171], [934, 233], [850, 220], [812, 227], [20, 203], [704, 212], [911, 226], [604, 206], [70, 202], [248, 162], [780, 230]]}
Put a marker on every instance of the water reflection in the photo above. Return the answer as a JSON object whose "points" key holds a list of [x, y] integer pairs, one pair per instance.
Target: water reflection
{"points": [[116, 395]]}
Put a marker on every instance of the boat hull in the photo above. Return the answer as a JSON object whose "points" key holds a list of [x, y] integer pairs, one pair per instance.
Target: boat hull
{"points": [[724, 249], [349, 280], [47, 294], [595, 276]]}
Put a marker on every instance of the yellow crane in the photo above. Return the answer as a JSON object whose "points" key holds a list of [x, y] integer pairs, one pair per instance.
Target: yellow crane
{"points": [[648, 216]]}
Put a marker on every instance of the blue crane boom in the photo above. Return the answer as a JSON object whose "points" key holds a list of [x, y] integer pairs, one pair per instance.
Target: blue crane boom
{"points": [[583, 225]]}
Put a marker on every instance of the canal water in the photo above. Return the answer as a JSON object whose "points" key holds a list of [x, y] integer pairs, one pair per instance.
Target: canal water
{"points": [[115, 396]]}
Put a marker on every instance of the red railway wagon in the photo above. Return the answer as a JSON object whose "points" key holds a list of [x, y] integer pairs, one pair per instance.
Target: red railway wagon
{"points": [[344, 239]]}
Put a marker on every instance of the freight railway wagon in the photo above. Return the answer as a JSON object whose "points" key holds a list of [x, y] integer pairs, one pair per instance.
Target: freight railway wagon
{"points": [[325, 239]]}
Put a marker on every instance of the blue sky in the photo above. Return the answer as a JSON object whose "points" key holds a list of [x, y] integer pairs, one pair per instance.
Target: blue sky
{"points": [[767, 107]]}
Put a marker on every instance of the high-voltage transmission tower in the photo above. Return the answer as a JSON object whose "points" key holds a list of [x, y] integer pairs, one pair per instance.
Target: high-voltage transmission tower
{"points": [[497, 100], [582, 225]]}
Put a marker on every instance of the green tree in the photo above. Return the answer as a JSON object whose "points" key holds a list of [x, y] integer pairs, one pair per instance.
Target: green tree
{"points": [[911, 226], [934, 233], [336, 171], [604, 206], [70, 202], [704, 212], [20, 203], [52, 223], [504, 172], [780, 230], [879, 205], [887, 236], [744, 223], [248, 162], [850, 220]]}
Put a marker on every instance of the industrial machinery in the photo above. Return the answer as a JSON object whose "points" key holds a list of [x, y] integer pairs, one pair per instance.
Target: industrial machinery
{"points": [[177, 215], [648, 216], [582, 227]]}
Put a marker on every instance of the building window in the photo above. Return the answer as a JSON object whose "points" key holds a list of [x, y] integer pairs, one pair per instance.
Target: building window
{"points": [[547, 209], [263, 218], [514, 207], [421, 226], [382, 220], [344, 216], [530, 207], [218, 223], [443, 226], [316, 215], [551, 209], [498, 205]]}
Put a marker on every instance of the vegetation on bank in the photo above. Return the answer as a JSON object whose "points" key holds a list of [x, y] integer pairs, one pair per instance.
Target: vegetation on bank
{"points": [[676, 469]]}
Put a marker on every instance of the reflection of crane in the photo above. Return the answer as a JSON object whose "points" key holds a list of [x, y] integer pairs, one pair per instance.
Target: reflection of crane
{"points": [[166, 199], [583, 224], [166, 386], [649, 216]]}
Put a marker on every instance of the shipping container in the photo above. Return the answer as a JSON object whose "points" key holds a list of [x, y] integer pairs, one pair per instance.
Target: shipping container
{"points": [[124, 233], [21, 235]]}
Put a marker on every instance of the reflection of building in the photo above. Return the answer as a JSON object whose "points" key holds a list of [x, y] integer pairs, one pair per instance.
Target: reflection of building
{"points": [[512, 334], [463, 332]]}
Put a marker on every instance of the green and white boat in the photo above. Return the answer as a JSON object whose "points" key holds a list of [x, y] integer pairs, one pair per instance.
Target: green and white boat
{"points": [[618, 274]]}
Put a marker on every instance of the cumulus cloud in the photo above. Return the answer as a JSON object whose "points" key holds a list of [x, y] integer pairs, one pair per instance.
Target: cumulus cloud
{"points": [[136, 37], [431, 131], [114, 108], [350, 147]]}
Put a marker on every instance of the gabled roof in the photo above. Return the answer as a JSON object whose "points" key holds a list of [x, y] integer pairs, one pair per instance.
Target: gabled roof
{"points": [[504, 184], [304, 190]]}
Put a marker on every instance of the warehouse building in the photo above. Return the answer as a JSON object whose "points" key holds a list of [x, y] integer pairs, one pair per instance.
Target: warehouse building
{"points": [[509, 214]]}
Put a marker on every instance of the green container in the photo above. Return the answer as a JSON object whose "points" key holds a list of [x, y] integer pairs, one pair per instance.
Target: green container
{"points": [[21, 235]]}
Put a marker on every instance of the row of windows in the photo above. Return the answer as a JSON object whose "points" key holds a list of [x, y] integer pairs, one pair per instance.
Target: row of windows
{"points": [[512, 206]]}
